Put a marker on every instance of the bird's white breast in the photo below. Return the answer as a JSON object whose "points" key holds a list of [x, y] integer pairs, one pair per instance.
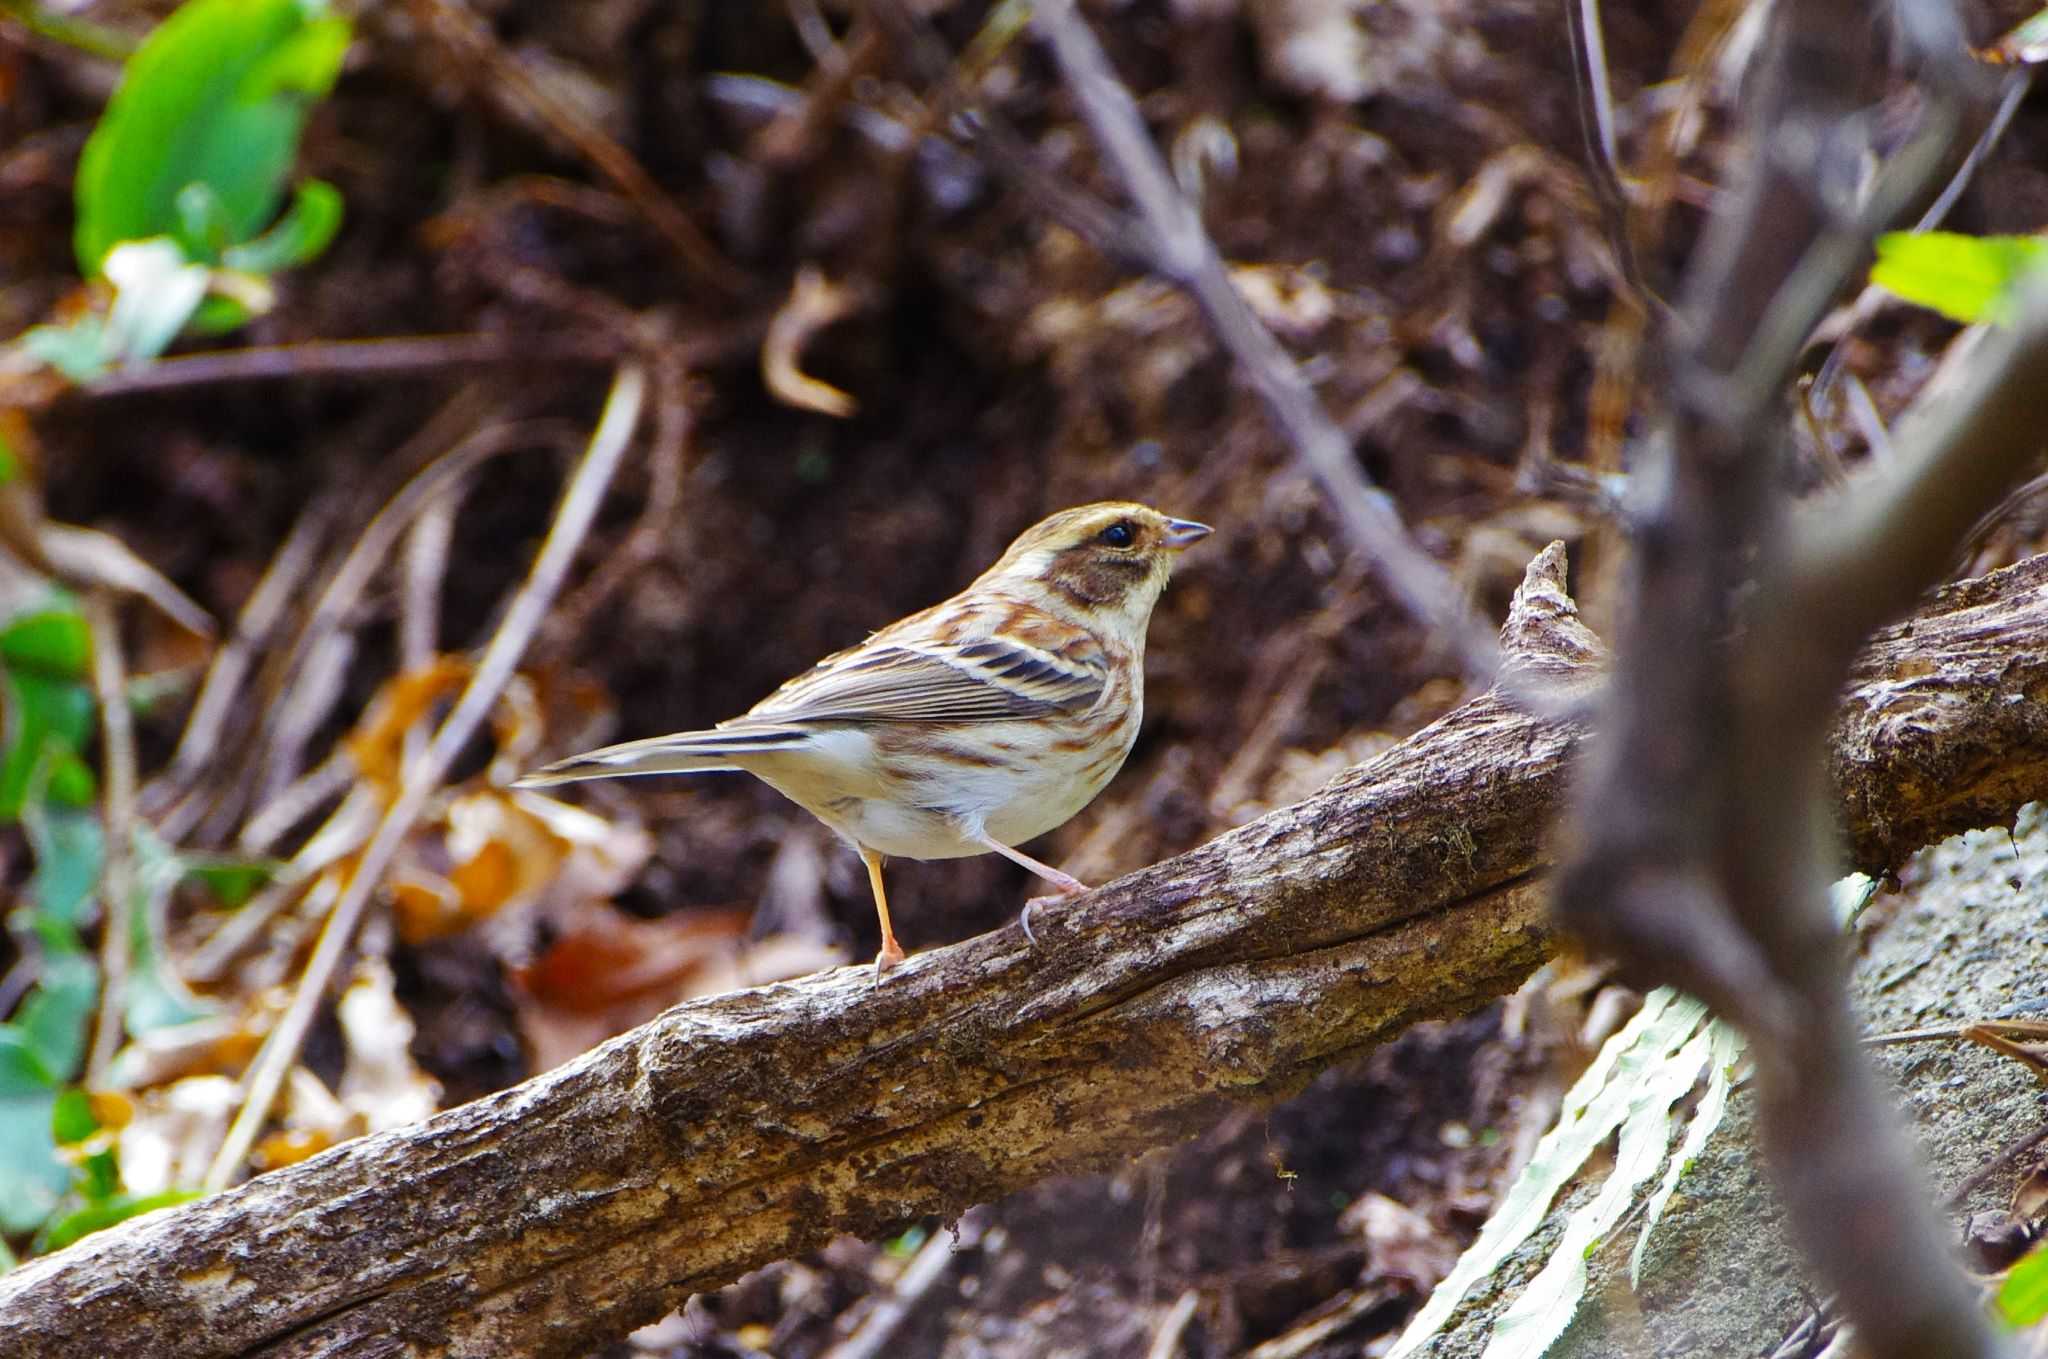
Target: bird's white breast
{"points": [[920, 795]]}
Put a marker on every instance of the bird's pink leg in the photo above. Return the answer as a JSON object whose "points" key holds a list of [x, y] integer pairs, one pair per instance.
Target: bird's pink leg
{"points": [[1064, 884], [892, 952]]}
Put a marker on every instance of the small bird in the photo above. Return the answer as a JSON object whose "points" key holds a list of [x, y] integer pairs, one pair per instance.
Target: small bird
{"points": [[969, 728]]}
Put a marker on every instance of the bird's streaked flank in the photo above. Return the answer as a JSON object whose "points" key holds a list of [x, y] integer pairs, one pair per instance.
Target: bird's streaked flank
{"points": [[969, 728]]}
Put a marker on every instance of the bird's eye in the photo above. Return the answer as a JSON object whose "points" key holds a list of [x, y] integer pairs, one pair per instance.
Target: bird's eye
{"points": [[1119, 534]]}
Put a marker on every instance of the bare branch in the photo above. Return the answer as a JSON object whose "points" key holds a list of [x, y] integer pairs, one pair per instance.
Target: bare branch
{"points": [[1702, 827], [1861, 557], [359, 359]]}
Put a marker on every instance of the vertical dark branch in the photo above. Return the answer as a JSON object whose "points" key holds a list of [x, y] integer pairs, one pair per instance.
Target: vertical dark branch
{"points": [[1701, 842]]}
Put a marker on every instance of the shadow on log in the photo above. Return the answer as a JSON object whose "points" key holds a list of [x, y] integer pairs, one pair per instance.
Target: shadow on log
{"points": [[750, 1127]]}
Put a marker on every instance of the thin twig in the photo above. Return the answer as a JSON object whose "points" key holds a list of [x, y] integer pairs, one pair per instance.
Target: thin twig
{"points": [[2009, 1153], [1599, 89], [469, 38], [82, 35], [580, 500], [1166, 1340], [1180, 249], [1889, 535], [368, 555], [378, 358], [304, 883], [325, 782], [926, 1268], [426, 565], [653, 533], [1603, 146], [1331, 1319], [2017, 86], [199, 745], [117, 738]]}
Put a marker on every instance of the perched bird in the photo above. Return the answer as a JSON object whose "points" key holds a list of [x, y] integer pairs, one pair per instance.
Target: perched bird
{"points": [[969, 728]]}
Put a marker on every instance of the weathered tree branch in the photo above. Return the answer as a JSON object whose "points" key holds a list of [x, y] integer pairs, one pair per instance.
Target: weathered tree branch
{"points": [[753, 1126]]}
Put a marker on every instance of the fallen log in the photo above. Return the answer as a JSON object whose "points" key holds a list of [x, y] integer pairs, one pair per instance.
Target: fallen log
{"points": [[750, 1127]]}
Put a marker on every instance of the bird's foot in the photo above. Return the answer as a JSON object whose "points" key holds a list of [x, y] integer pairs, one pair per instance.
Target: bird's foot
{"points": [[891, 954], [1072, 887]]}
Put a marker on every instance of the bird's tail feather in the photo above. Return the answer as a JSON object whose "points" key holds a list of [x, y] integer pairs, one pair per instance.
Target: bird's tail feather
{"points": [[685, 752]]}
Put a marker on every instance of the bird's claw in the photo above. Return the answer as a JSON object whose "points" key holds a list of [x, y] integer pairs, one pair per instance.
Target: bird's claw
{"points": [[1024, 919]]}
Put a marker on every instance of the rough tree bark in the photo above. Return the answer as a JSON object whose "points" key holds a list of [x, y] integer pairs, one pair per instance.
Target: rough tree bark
{"points": [[749, 1127]]}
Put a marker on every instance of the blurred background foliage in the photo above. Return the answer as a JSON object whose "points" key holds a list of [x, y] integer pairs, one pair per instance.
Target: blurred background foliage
{"points": [[309, 311]]}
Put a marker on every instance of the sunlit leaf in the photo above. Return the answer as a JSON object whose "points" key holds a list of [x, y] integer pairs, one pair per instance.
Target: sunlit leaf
{"points": [[2025, 45], [1965, 278], [1713, 1106], [2023, 1297], [1534, 1321], [217, 96], [1598, 1102]]}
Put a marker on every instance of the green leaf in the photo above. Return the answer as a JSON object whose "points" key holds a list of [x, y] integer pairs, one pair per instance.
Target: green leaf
{"points": [[47, 723], [69, 850], [2023, 1297], [305, 230], [32, 1178], [217, 96], [45, 655], [1965, 278], [104, 1213], [98, 1176], [71, 1120], [202, 222], [54, 1018], [231, 880], [22, 1070], [52, 642], [156, 997]]}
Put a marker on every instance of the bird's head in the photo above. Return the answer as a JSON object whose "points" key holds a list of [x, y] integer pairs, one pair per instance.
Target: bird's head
{"points": [[1107, 561]]}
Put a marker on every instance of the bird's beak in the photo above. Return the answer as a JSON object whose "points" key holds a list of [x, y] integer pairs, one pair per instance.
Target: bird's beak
{"points": [[1185, 533]]}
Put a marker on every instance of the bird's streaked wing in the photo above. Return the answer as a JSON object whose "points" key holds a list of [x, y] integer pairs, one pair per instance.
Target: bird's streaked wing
{"points": [[987, 679]]}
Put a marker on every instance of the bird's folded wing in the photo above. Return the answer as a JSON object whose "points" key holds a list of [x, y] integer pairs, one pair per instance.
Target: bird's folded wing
{"points": [[988, 679]]}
